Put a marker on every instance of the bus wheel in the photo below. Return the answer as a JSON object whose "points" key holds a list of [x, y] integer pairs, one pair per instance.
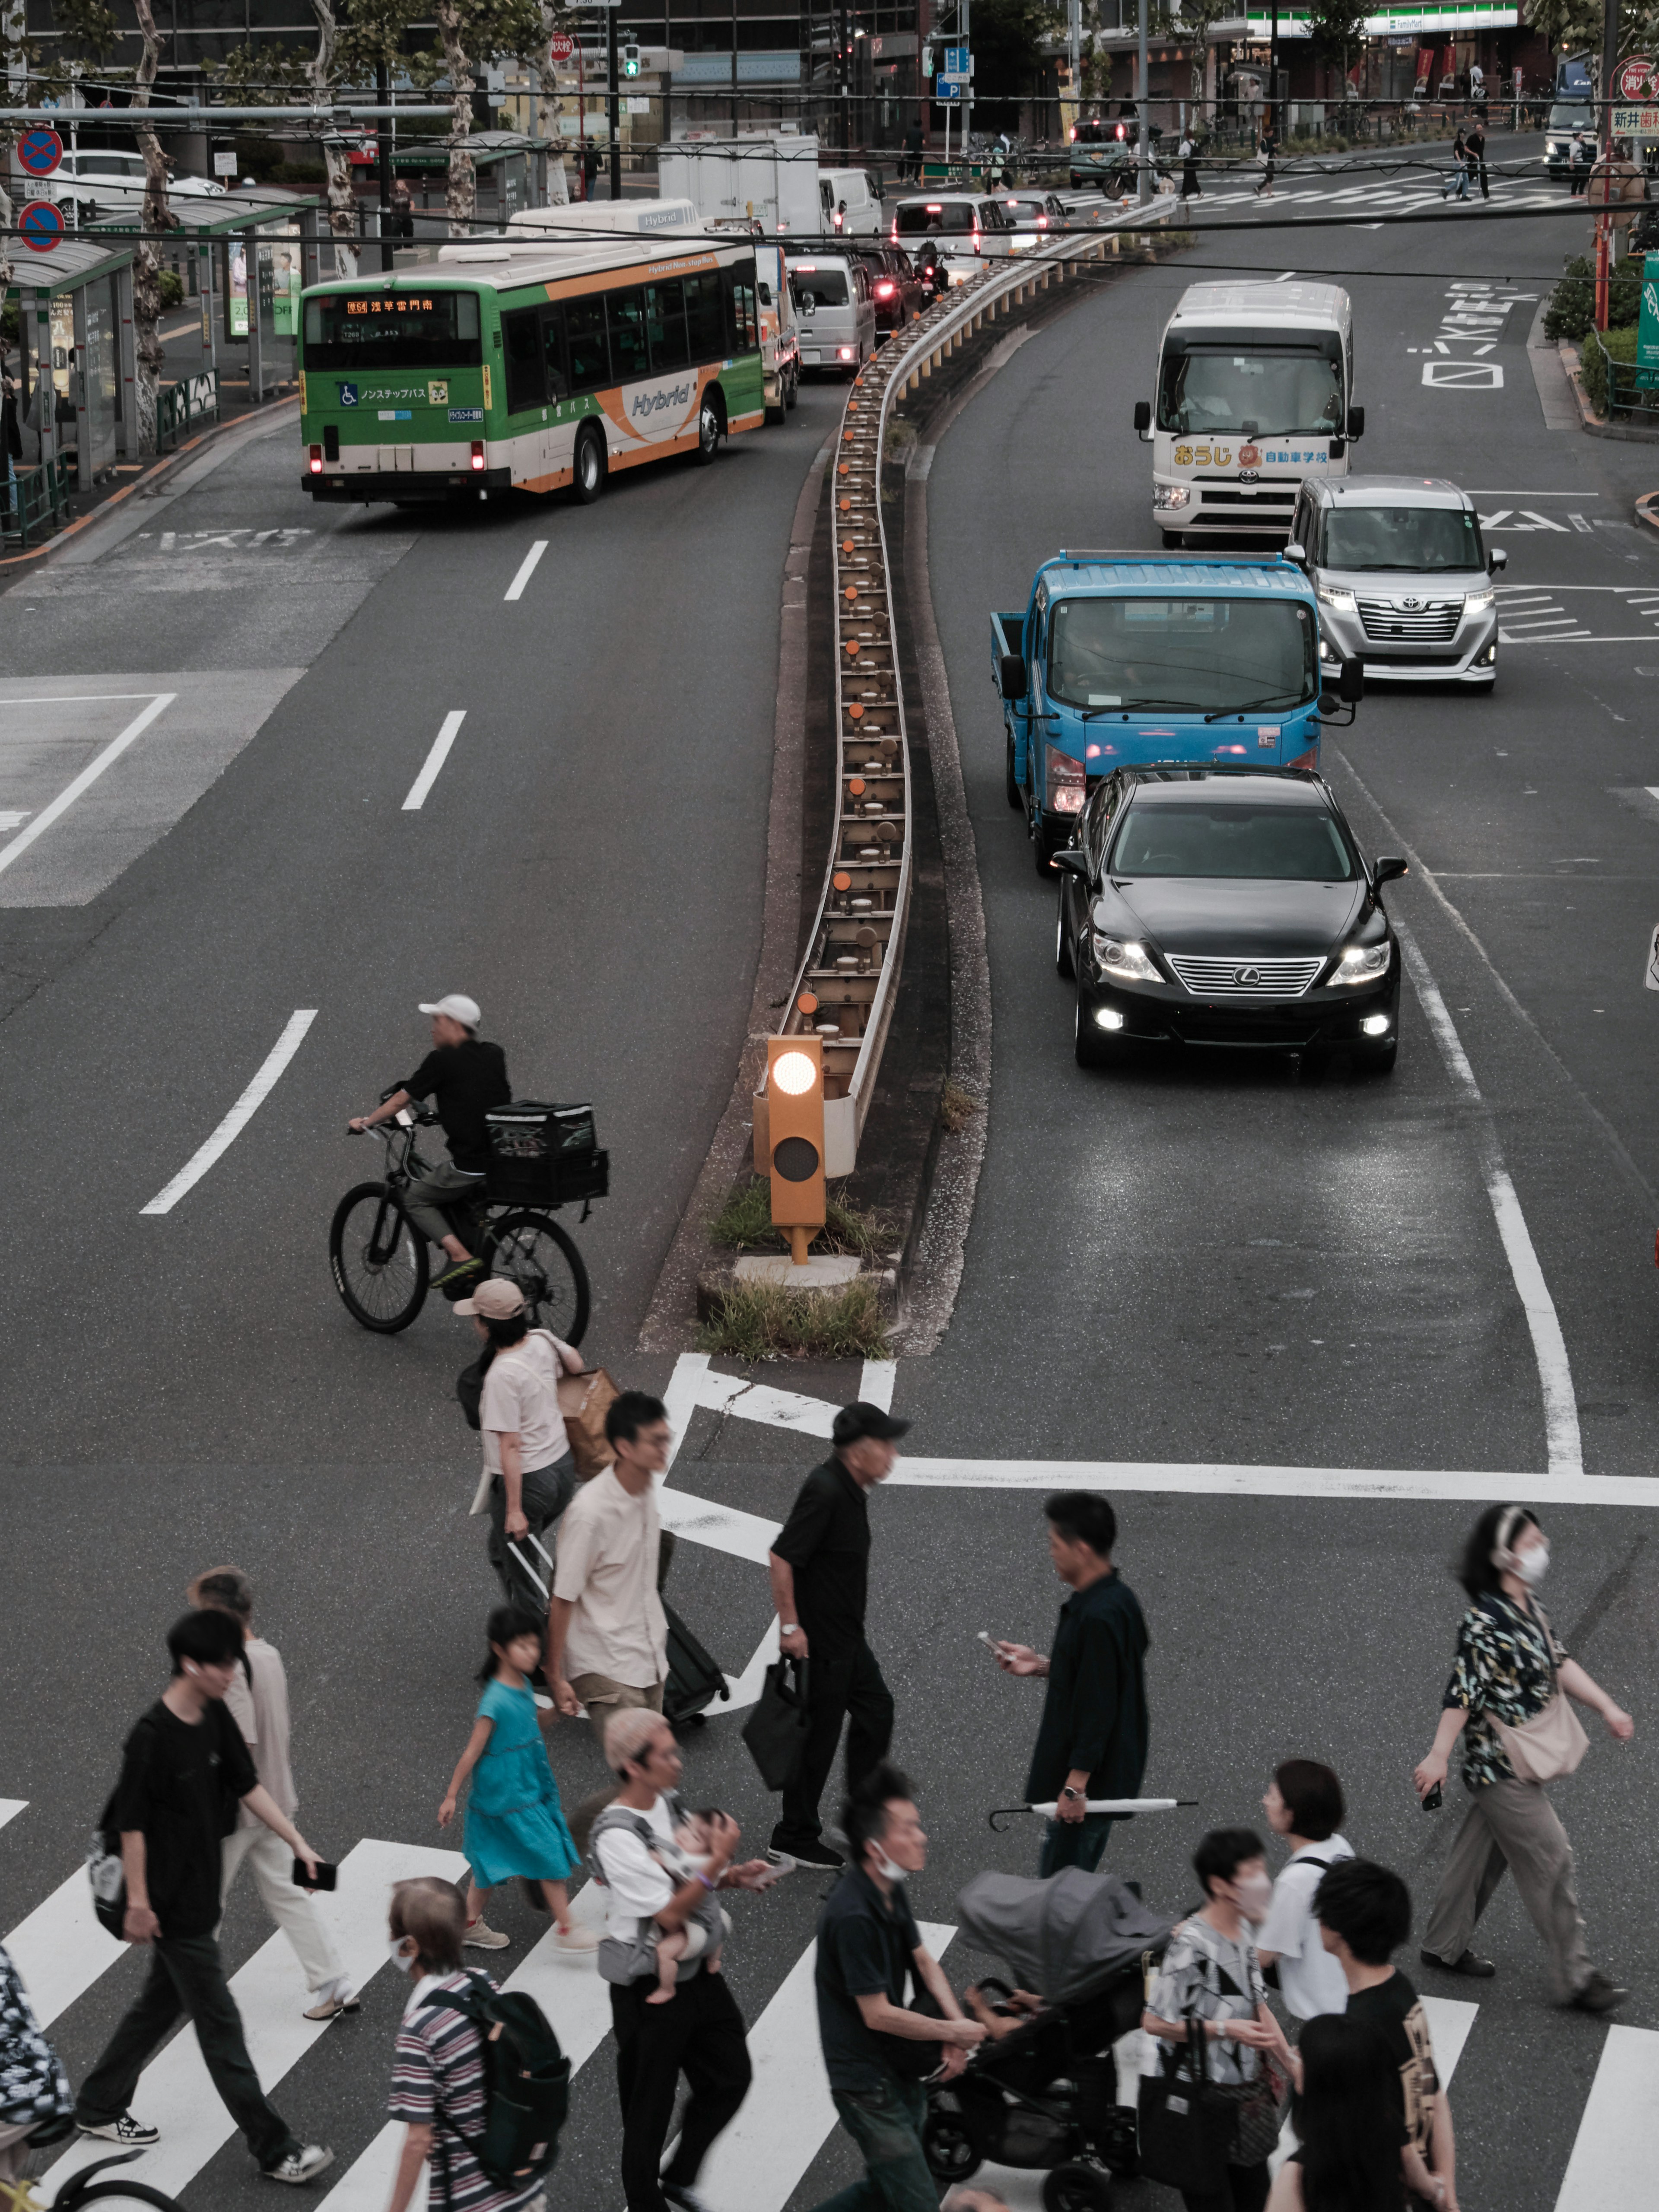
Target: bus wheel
{"points": [[708, 432], [587, 466]]}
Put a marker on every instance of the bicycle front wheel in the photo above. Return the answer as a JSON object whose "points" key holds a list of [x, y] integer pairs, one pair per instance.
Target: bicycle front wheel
{"points": [[535, 1253], [116, 2194], [377, 1258]]}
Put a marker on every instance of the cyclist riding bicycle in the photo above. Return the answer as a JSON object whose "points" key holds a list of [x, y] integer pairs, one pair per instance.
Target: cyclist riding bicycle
{"points": [[465, 1077]]}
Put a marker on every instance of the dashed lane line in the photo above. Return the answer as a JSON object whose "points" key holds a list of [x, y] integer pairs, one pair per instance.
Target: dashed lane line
{"points": [[90, 774], [434, 761], [526, 570], [240, 1113]]}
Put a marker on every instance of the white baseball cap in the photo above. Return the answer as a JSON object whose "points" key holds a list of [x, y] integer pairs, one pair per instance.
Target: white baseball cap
{"points": [[458, 1007]]}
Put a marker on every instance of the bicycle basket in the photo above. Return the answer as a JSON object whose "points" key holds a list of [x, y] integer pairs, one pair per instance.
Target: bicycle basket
{"points": [[543, 1155]]}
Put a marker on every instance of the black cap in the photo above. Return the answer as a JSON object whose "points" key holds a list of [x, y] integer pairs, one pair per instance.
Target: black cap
{"points": [[854, 1423]]}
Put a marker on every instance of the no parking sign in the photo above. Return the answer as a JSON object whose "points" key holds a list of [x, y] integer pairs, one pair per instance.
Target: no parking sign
{"points": [[40, 151]]}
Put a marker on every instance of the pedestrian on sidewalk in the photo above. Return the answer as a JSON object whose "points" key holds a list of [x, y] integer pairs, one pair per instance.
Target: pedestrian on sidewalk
{"points": [[1511, 1668], [438, 2085], [1093, 1737], [1304, 1804], [1365, 1915], [590, 167], [401, 223], [37, 2106], [1348, 2158], [256, 1701], [515, 1822], [185, 1763], [466, 1076], [1190, 187], [877, 2052], [649, 1879], [527, 1448], [820, 1568], [1476, 158]]}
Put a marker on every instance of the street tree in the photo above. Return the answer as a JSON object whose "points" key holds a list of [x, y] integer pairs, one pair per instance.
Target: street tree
{"points": [[156, 218], [469, 34], [1337, 30]]}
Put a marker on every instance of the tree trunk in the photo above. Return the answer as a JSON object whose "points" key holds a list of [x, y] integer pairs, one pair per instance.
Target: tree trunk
{"points": [[342, 206], [463, 178], [147, 259]]}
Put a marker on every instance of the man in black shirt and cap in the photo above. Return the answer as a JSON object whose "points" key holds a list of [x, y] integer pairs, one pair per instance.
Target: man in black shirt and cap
{"points": [[467, 1078], [819, 1565], [1093, 1738]]}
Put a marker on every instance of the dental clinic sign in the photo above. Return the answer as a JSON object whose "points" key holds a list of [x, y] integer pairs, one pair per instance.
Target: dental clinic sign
{"points": [[1647, 329]]}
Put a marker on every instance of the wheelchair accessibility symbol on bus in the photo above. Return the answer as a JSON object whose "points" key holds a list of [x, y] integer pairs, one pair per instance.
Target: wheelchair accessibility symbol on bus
{"points": [[348, 395]]}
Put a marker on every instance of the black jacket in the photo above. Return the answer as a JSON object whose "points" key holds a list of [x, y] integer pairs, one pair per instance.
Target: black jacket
{"points": [[1094, 1717]]}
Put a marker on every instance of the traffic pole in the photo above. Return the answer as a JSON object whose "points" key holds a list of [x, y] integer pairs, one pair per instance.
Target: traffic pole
{"points": [[1603, 269], [613, 103], [382, 165]]}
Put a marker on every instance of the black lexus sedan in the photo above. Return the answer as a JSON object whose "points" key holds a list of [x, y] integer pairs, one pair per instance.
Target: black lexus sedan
{"points": [[1227, 908]]}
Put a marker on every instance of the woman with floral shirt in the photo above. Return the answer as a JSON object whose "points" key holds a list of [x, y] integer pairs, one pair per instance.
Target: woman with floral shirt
{"points": [[1510, 1665]]}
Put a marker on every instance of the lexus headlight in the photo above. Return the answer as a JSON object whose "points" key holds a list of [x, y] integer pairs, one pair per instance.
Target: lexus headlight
{"points": [[1168, 496], [1364, 964], [1478, 601], [1342, 603], [1124, 959]]}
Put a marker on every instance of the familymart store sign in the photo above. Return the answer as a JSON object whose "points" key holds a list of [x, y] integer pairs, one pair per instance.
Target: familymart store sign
{"points": [[1436, 23]]}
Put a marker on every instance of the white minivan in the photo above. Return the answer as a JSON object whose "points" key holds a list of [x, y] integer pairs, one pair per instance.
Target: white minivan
{"points": [[836, 308], [851, 200], [967, 229]]}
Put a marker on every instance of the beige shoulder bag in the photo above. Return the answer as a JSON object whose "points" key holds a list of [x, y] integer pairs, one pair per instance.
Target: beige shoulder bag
{"points": [[1552, 1742]]}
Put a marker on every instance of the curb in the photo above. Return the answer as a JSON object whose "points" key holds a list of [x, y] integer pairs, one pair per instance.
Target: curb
{"points": [[1628, 434], [1645, 506], [147, 483]]}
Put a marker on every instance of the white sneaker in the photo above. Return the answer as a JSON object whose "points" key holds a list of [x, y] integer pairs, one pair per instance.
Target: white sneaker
{"points": [[480, 1936], [575, 1942], [131, 2134], [301, 2166]]}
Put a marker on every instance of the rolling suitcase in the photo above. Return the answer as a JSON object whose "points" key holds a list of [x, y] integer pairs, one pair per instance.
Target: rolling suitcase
{"points": [[694, 1680]]}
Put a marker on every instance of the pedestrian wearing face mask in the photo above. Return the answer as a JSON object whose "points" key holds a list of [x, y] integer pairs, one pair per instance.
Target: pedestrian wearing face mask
{"points": [[1507, 1700]]}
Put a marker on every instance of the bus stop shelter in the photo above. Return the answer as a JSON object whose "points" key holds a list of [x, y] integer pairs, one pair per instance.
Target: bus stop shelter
{"points": [[511, 169], [77, 372]]}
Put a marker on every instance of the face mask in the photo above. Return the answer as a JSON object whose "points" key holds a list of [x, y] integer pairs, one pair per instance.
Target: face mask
{"points": [[886, 1869], [1533, 1565], [1255, 1893], [404, 1961]]}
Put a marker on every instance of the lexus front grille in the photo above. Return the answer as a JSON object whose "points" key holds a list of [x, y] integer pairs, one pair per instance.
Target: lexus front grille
{"points": [[1434, 623], [1245, 978]]}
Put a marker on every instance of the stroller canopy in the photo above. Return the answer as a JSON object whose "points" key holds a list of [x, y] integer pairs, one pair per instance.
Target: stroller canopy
{"points": [[1063, 1938]]}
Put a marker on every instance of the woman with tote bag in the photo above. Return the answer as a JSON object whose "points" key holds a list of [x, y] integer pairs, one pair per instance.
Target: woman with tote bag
{"points": [[1507, 1700]]}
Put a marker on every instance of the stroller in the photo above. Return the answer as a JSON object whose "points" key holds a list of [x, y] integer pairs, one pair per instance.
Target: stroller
{"points": [[1046, 2095]]}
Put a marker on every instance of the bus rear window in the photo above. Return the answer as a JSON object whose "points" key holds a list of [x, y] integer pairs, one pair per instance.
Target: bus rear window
{"points": [[392, 330], [917, 217]]}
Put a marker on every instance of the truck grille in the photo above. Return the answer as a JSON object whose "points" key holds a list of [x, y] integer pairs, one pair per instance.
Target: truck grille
{"points": [[1245, 978], [1432, 623], [1267, 496]]}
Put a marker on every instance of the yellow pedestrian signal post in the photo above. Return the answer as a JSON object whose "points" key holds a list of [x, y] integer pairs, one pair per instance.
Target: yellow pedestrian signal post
{"points": [[790, 1149]]}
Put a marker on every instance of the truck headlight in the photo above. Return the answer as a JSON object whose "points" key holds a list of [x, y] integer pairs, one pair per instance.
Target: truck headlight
{"points": [[1364, 964], [1065, 782], [1122, 958], [1172, 495], [1340, 602], [1478, 601]]}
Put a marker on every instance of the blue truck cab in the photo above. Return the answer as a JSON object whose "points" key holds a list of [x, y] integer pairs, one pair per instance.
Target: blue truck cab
{"points": [[1122, 658]]}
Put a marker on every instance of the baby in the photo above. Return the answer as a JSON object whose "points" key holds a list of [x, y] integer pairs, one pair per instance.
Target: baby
{"points": [[704, 1933]]}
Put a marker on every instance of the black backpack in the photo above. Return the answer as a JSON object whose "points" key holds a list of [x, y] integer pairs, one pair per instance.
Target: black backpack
{"points": [[526, 2083]]}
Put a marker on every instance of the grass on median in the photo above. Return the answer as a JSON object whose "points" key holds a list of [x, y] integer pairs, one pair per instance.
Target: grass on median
{"points": [[744, 1224], [765, 1321]]}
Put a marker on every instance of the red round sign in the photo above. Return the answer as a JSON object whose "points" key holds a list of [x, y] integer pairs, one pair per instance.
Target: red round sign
{"points": [[1637, 79], [561, 47]]}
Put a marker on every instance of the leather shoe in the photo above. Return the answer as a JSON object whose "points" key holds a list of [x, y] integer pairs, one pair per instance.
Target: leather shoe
{"points": [[1598, 1995], [1481, 1969]]}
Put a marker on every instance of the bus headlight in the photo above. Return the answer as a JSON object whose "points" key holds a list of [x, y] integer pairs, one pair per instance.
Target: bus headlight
{"points": [[1340, 602], [1364, 964], [1168, 496]]}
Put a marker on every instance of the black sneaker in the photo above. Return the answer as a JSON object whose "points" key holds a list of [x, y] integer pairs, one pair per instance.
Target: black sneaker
{"points": [[816, 1853], [456, 1272], [131, 2134], [1477, 1969], [1598, 1995]]}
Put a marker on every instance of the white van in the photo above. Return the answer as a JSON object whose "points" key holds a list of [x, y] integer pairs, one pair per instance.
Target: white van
{"points": [[851, 201], [1255, 395], [837, 311], [968, 228]]}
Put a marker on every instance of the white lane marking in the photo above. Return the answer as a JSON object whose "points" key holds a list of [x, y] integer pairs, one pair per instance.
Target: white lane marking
{"points": [[10, 1807], [747, 1686], [240, 1114], [1386, 1486], [90, 774], [1611, 2169], [875, 1383], [175, 2092], [526, 570], [788, 2114], [76, 698], [722, 1528], [60, 1950], [1450, 2019], [434, 760], [681, 1399], [1567, 1451]]}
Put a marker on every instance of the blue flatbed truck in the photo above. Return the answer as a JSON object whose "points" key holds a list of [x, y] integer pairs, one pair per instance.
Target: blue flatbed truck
{"points": [[1122, 657]]}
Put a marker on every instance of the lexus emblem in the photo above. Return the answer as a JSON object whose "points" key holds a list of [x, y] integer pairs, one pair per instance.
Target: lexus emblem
{"points": [[1247, 976], [1410, 605]]}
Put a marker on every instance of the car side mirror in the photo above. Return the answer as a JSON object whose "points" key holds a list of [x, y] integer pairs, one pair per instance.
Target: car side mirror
{"points": [[1143, 416], [1297, 553], [1497, 558], [1011, 675], [1351, 684], [1389, 865], [1073, 862], [1356, 422]]}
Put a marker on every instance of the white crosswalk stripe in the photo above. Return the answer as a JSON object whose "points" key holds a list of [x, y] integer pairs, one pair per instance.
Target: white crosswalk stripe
{"points": [[1611, 2169], [60, 1950]]}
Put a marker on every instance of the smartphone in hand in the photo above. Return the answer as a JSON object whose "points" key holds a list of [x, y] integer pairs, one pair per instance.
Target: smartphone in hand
{"points": [[1432, 1799], [328, 1877]]}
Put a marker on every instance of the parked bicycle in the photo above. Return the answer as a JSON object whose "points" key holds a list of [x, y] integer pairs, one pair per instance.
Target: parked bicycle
{"points": [[379, 1258]]}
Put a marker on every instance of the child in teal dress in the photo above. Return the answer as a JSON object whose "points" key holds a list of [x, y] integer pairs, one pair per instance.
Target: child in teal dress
{"points": [[514, 1824]]}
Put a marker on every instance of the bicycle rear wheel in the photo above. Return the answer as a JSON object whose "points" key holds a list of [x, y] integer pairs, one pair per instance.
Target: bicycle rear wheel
{"points": [[377, 1258], [116, 2194], [534, 1252]]}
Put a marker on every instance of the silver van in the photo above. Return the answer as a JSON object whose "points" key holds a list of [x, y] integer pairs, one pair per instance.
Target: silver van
{"points": [[837, 311], [968, 228], [1403, 580]]}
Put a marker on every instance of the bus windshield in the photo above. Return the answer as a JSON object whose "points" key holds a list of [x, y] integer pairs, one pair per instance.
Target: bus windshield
{"points": [[1195, 656], [1249, 390], [1280, 844], [392, 330], [1420, 538]]}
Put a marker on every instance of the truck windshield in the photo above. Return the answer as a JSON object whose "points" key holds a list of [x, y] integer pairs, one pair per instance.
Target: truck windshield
{"points": [[392, 330], [1422, 538], [1250, 391], [1573, 115], [1283, 844], [1197, 656]]}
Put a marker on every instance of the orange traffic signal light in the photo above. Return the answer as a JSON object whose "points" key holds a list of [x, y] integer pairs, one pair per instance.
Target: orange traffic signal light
{"points": [[794, 1138]]}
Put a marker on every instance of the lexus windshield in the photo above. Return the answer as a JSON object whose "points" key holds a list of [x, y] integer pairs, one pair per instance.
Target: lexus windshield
{"points": [[1194, 656], [1278, 844], [1419, 539], [1249, 390]]}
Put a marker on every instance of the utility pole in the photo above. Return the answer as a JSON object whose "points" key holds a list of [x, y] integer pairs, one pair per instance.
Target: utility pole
{"points": [[734, 68], [1074, 47], [383, 165], [846, 47], [1609, 65], [965, 34], [1143, 154], [613, 104]]}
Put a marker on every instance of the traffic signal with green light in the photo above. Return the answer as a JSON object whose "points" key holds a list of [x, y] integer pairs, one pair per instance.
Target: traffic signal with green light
{"points": [[792, 1148], [630, 60]]}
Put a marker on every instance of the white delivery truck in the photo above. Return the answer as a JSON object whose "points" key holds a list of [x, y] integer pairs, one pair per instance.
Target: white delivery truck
{"points": [[607, 216], [772, 178], [1254, 393]]}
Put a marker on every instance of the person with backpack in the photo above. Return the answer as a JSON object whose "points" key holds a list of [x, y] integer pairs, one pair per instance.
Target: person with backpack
{"points": [[483, 2151], [528, 1466], [1304, 1804], [515, 1824]]}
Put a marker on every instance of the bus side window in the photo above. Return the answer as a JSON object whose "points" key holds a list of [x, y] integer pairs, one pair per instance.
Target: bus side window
{"points": [[526, 381], [742, 322], [590, 357], [664, 323], [625, 316], [705, 317], [558, 380]]}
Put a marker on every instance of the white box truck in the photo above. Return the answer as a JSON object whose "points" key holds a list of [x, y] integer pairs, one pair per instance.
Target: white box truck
{"points": [[773, 179]]}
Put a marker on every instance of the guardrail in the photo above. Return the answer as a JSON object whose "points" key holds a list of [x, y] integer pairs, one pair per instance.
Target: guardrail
{"points": [[848, 980], [180, 407], [39, 505]]}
